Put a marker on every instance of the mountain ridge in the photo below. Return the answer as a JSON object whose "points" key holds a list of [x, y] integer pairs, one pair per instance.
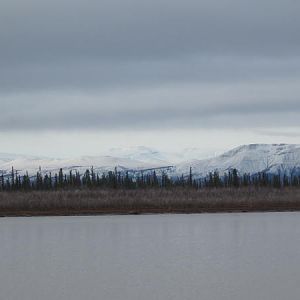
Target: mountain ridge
{"points": [[250, 159]]}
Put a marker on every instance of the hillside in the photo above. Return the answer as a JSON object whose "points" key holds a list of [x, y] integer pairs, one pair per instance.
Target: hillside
{"points": [[251, 159], [100, 163]]}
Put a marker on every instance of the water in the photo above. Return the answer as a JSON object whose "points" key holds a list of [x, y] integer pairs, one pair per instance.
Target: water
{"points": [[209, 256]]}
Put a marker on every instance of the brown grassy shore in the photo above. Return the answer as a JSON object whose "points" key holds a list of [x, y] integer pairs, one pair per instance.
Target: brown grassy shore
{"points": [[176, 200]]}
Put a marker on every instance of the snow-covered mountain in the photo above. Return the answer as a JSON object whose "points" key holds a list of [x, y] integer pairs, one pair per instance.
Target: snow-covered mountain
{"points": [[251, 159], [141, 153], [151, 155], [46, 165]]}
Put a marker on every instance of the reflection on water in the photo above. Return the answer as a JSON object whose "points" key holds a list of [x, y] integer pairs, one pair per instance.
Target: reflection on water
{"points": [[209, 256]]}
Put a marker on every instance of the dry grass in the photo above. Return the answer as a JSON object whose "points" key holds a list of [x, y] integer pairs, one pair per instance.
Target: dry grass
{"points": [[151, 200]]}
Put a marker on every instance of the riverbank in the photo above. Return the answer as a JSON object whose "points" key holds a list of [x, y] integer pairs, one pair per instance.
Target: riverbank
{"points": [[148, 201]]}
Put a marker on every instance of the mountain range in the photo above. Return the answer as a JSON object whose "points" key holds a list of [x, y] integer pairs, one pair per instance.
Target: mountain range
{"points": [[253, 158]]}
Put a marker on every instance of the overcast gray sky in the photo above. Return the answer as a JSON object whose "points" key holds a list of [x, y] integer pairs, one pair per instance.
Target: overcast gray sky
{"points": [[78, 77]]}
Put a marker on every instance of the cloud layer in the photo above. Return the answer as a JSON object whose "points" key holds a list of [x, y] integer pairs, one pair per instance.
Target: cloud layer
{"points": [[131, 64]]}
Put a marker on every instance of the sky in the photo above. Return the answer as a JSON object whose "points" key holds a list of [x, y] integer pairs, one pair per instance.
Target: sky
{"points": [[80, 77]]}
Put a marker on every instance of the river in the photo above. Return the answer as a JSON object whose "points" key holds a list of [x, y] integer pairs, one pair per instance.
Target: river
{"points": [[200, 256]]}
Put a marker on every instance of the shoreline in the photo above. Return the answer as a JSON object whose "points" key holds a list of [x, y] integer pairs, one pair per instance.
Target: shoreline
{"points": [[116, 212]]}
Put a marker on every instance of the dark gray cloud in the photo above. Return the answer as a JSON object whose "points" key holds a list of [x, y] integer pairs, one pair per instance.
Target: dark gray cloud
{"points": [[36, 30], [147, 64], [105, 75], [240, 105]]}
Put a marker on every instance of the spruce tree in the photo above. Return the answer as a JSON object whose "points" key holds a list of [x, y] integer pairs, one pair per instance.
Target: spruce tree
{"points": [[235, 178]]}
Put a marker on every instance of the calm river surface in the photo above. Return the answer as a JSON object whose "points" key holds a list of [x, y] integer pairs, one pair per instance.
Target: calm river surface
{"points": [[205, 256]]}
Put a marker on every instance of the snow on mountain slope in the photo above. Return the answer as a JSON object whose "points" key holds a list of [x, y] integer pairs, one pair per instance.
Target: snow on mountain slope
{"points": [[100, 164], [251, 159], [246, 159], [7, 157], [151, 155], [141, 153]]}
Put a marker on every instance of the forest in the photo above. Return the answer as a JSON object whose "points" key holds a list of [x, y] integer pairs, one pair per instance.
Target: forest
{"points": [[121, 193], [123, 180]]}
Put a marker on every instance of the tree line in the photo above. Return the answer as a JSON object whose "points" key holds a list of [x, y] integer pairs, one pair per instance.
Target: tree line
{"points": [[123, 180]]}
